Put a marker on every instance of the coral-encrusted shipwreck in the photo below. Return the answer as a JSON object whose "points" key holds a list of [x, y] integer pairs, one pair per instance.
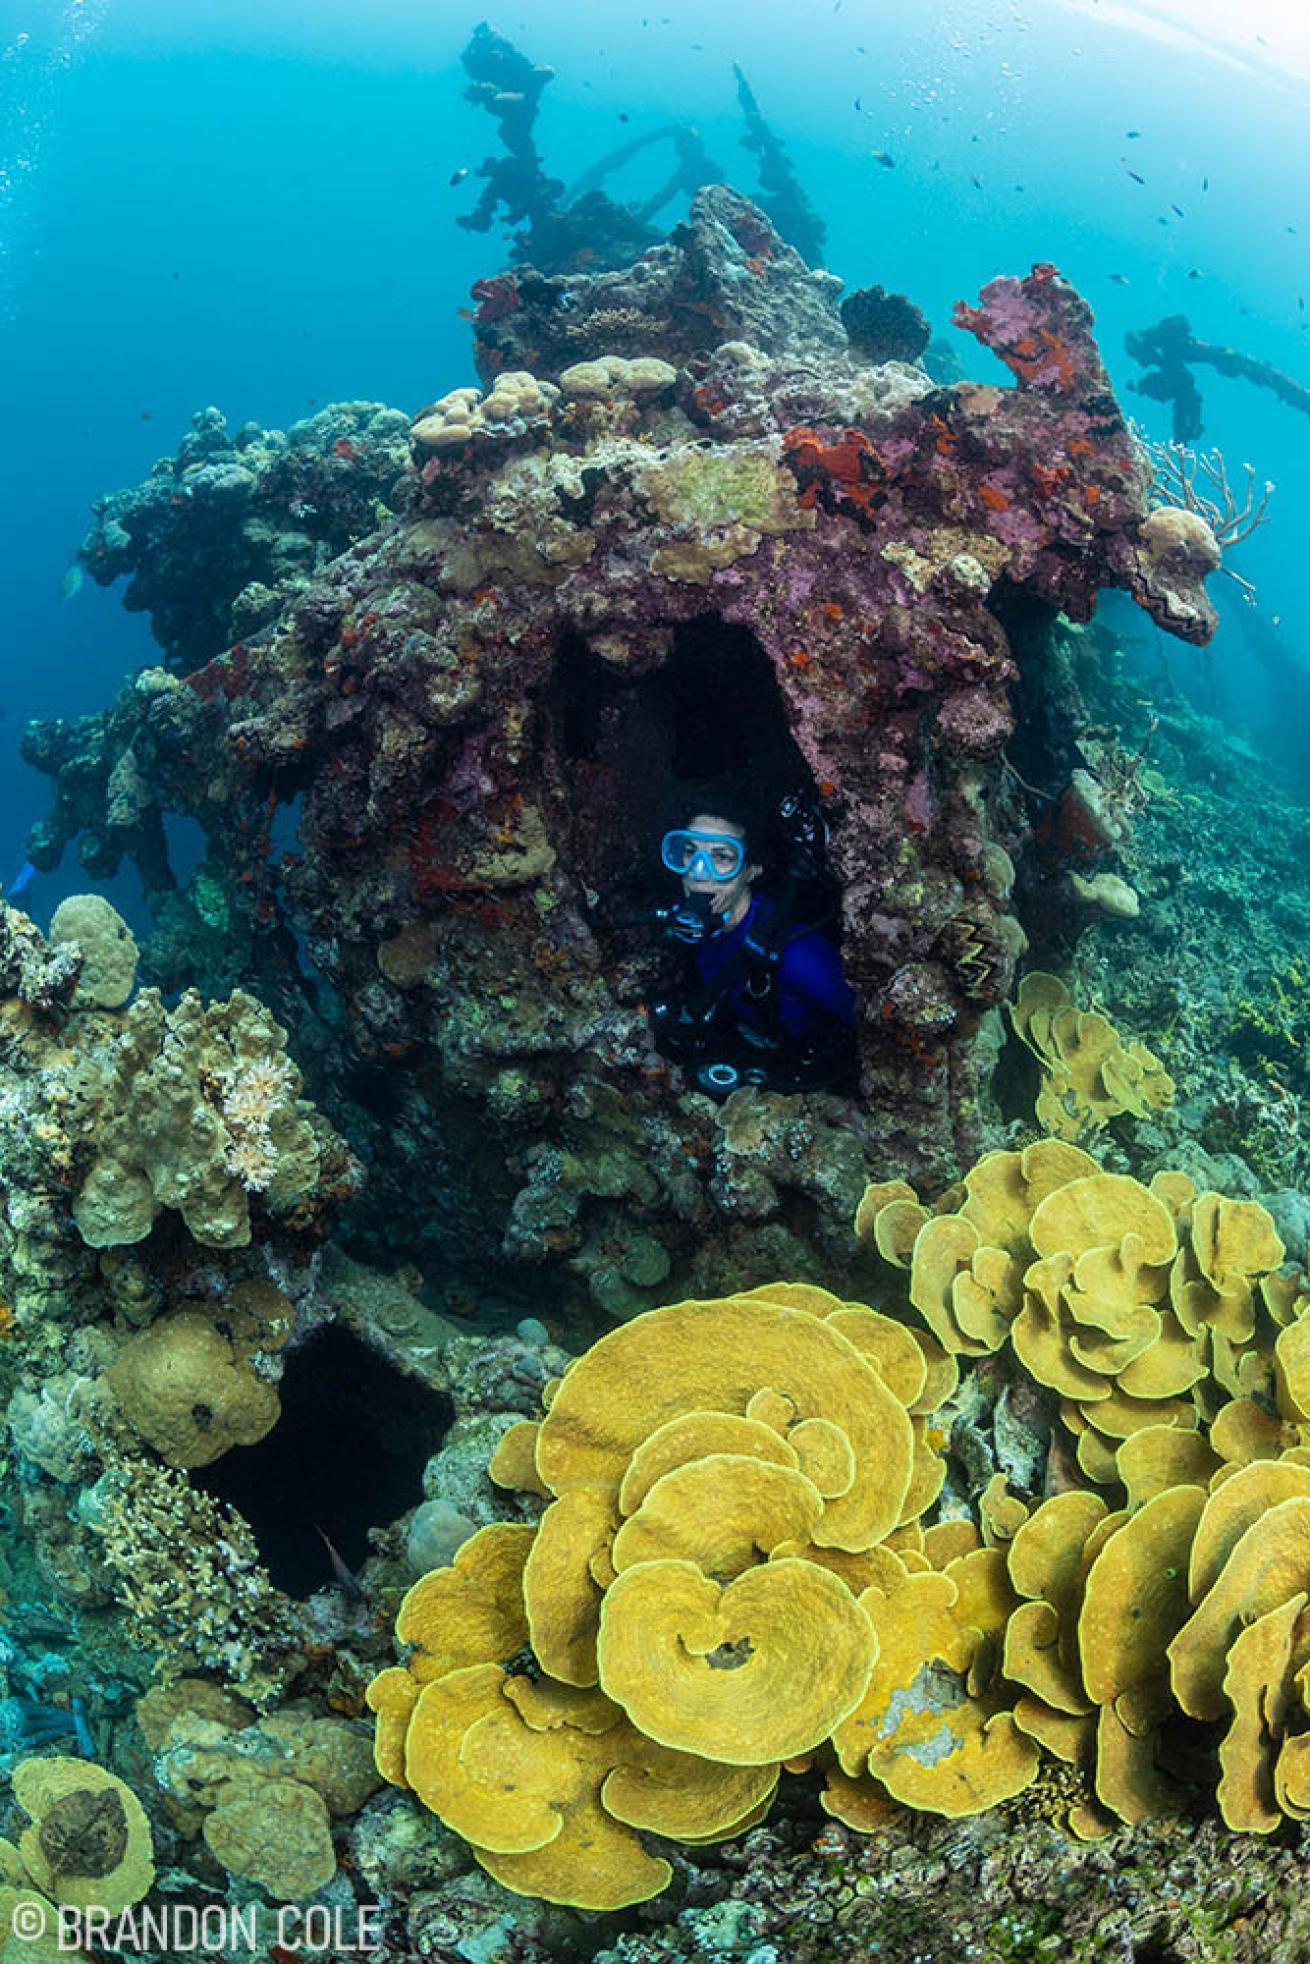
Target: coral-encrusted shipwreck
{"points": [[482, 705]]}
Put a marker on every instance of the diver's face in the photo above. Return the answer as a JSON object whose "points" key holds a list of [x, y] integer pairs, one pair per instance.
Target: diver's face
{"points": [[730, 898]]}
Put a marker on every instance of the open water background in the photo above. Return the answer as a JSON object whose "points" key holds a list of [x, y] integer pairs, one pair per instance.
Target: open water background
{"points": [[248, 205]]}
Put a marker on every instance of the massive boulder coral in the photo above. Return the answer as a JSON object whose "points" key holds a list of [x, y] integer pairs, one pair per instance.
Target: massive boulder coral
{"points": [[196, 1108], [190, 1389], [566, 620], [88, 1841], [267, 1793], [115, 1115]]}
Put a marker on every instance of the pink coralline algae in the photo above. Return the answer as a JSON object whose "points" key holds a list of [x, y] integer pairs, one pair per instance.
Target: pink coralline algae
{"points": [[785, 561]]}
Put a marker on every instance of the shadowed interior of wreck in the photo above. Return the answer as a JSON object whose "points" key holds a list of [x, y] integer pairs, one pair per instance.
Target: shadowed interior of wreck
{"points": [[711, 713], [346, 1455]]}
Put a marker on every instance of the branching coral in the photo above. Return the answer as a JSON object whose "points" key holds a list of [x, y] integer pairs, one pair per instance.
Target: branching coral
{"points": [[1273, 1032], [187, 1571], [1195, 485]]}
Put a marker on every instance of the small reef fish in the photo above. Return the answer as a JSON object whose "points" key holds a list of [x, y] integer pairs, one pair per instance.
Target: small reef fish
{"points": [[976, 183], [1136, 176], [1120, 279], [86, 1745], [884, 158], [1196, 274], [345, 1578], [1132, 135], [22, 879], [459, 175], [73, 581], [1205, 184]]}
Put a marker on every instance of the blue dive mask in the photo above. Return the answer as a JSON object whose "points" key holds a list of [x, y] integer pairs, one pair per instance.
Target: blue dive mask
{"points": [[695, 855]]}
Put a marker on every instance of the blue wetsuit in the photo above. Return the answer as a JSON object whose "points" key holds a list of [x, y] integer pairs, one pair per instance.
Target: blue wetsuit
{"points": [[809, 988]]}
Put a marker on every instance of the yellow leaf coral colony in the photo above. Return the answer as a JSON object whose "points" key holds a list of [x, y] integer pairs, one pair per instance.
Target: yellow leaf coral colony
{"points": [[1089, 1074], [725, 1480], [732, 1576]]}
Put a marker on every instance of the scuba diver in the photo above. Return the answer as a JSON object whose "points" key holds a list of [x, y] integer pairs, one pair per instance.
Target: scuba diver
{"points": [[767, 1002]]}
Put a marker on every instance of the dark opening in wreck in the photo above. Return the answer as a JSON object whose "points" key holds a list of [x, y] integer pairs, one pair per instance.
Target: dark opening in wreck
{"points": [[710, 714], [346, 1455]]}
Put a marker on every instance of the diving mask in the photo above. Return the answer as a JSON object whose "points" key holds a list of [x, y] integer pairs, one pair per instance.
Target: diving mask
{"points": [[696, 855]]}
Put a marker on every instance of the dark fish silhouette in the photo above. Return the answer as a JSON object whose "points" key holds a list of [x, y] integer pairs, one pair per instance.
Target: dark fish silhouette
{"points": [[460, 175], [1132, 135], [1120, 279], [1195, 274], [1136, 176], [1179, 210], [345, 1578], [882, 157]]}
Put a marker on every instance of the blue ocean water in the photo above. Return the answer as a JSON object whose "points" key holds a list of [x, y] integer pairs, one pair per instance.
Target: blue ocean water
{"points": [[250, 206]]}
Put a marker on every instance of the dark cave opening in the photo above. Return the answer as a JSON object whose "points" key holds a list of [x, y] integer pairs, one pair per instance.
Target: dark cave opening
{"points": [[711, 713], [346, 1455], [726, 713]]}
